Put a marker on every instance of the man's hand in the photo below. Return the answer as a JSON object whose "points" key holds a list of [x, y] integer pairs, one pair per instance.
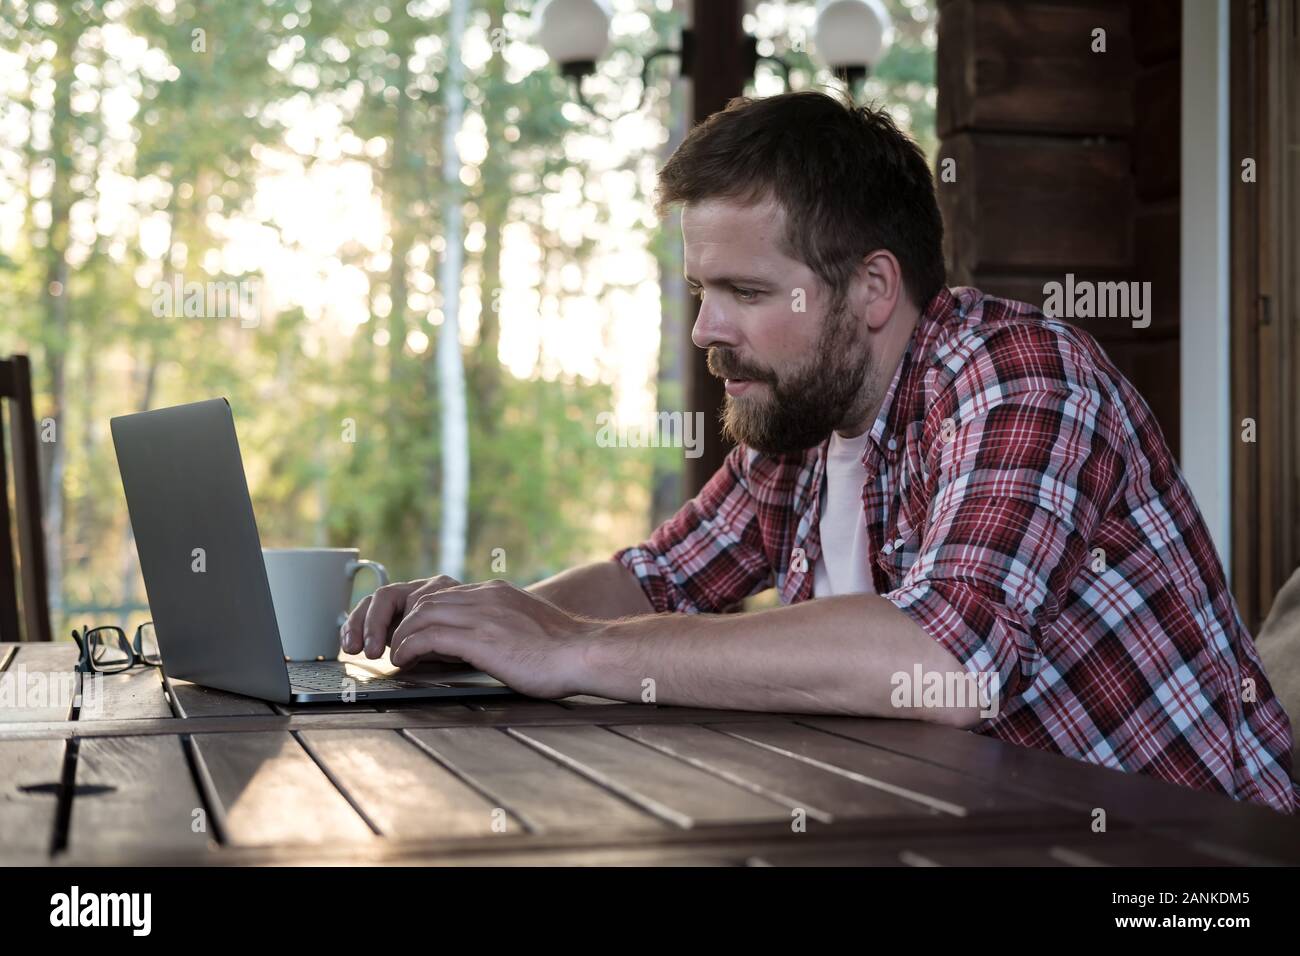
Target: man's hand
{"points": [[370, 625], [516, 636]]}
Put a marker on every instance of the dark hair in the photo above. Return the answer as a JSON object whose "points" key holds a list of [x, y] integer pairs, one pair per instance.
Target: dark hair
{"points": [[848, 180]]}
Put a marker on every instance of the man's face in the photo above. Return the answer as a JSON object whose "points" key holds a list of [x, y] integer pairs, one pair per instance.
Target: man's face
{"points": [[792, 376]]}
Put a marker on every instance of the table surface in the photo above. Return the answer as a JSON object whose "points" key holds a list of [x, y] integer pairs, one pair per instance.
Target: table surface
{"points": [[166, 771]]}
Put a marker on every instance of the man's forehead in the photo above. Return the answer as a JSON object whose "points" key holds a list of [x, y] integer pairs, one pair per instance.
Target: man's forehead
{"points": [[720, 231], [764, 214]]}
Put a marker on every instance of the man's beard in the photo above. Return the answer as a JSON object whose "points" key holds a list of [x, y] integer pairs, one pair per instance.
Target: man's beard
{"points": [[802, 407]]}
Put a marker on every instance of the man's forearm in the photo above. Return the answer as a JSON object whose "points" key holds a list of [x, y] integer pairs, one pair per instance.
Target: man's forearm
{"points": [[834, 655], [603, 590]]}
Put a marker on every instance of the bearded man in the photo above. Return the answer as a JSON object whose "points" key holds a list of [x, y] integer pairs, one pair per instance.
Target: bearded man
{"points": [[938, 483]]}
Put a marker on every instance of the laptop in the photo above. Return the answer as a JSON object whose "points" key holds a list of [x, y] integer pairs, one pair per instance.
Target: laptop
{"points": [[185, 488]]}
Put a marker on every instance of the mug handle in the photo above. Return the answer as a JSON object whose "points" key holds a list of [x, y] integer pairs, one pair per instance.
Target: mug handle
{"points": [[381, 572], [351, 570]]}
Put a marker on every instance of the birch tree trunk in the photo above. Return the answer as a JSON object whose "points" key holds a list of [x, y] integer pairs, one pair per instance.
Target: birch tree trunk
{"points": [[55, 296], [451, 371]]}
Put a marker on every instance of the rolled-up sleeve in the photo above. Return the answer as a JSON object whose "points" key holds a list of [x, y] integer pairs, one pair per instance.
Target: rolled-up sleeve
{"points": [[1025, 468], [709, 555]]}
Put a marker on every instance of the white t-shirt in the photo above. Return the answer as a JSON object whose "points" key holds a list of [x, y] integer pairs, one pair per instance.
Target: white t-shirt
{"points": [[844, 566]]}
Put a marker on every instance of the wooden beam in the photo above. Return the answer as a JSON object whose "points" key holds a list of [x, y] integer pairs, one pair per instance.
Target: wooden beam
{"points": [[719, 74], [1029, 67], [1037, 204]]}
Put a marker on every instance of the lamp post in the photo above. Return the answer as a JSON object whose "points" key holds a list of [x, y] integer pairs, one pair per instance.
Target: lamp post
{"points": [[850, 37]]}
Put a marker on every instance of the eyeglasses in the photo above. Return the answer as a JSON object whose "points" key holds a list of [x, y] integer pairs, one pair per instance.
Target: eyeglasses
{"points": [[106, 650]]}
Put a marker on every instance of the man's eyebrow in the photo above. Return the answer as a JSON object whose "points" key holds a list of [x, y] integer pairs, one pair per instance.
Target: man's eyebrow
{"points": [[731, 280]]}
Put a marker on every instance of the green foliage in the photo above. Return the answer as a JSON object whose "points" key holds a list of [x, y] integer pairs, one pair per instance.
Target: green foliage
{"points": [[339, 426]]}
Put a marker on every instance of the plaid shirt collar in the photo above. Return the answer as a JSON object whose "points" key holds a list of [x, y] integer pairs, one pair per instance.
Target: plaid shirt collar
{"points": [[898, 405]]}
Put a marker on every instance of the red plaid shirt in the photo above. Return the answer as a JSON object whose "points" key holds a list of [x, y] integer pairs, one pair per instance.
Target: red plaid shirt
{"points": [[1024, 510]]}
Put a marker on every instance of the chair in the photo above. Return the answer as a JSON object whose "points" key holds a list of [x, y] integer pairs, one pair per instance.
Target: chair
{"points": [[1278, 644], [16, 394]]}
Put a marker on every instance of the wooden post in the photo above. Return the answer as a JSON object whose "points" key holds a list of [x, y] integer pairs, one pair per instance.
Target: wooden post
{"points": [[719, 74]]}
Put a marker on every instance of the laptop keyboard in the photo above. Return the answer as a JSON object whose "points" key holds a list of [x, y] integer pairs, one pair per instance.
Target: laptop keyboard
{"points": [[329, 676]]}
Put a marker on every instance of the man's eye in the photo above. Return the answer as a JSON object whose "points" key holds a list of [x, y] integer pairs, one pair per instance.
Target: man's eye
{"points": [[695, 290], [745, 295]]}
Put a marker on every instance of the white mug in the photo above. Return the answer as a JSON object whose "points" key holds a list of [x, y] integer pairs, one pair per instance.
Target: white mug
{"points": [[312, 592]]}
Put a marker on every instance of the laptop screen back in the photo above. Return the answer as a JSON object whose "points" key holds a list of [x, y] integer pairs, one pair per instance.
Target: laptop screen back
{"points": [[199, 549]]}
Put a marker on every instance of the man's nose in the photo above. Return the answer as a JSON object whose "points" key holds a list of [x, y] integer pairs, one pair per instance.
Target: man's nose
{"points": [[712, 327]]}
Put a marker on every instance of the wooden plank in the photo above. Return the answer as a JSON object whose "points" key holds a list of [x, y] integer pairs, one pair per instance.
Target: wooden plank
{"points": [[545, 796], [1259, 533], [1015, 65], [824, 795], [41, 682], [855, 855], [1157, 140], [623, 712], [1218, 823], [194, 700], [136, 792], [1157, 30], [1124, 850], [135, 694], [733, 841], [442, 717], [1046, 776], [1156, 260], [670, 789], [998, 855], [430, 707], [602, 857], [319, 708], [1240, 840], [55, 656], [944, 790], [484, 852], [265, 789], [400, 789], [1033, 204], [29, 798], [1128, 849], [1115, 848], [511, 708], [893, 854]]}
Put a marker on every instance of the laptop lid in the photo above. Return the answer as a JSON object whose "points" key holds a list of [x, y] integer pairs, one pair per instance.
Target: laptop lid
{"points": [[199, 549]]}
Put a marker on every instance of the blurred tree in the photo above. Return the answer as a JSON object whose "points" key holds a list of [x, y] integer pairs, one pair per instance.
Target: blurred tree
{"points": [[143, 142]]}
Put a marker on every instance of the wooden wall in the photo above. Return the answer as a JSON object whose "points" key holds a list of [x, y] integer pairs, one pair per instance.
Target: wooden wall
{"points": [[1067, 161], [1264, 116]]}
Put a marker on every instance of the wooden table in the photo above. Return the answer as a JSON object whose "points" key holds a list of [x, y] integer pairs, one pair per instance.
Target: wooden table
{"points": [[170, 772]]}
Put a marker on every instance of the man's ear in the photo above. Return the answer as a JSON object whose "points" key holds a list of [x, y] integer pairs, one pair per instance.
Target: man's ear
{"points": [[877, 287]]}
